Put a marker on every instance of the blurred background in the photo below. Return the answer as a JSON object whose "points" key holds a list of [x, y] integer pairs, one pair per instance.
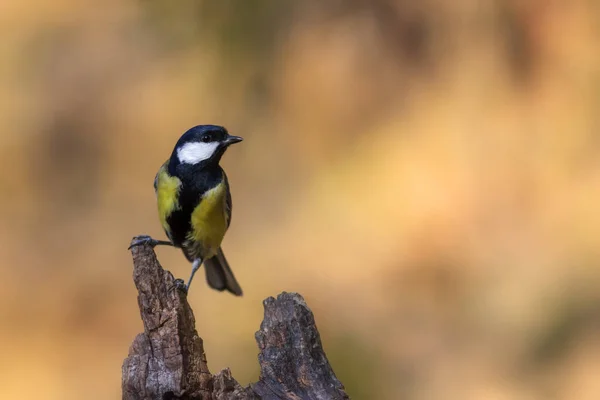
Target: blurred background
{"points": [[426, 174]]}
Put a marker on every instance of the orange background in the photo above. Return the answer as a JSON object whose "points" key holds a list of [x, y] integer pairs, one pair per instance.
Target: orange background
{"points": [[426, 174]]}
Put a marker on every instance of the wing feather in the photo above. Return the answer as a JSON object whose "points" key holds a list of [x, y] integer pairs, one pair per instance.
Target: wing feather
{"points": [[167, 189], [228, 202]]}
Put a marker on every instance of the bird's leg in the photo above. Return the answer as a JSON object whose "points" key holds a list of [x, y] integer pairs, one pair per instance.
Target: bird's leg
{"points": [[145, 239], [195, 267]]}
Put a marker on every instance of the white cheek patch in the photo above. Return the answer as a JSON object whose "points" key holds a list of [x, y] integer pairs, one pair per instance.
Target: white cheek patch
{"points": [[194, 152]]}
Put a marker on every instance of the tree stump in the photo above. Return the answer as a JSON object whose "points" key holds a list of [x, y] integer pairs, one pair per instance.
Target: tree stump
{"points": [[167, 360]]}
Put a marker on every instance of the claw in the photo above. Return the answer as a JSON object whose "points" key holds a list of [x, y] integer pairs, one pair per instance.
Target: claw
{"points": [[180, 285], [145, 239], [142, 239]]}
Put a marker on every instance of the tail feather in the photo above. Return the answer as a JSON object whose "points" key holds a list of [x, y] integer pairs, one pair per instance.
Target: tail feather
{"points": [[219, 275]]}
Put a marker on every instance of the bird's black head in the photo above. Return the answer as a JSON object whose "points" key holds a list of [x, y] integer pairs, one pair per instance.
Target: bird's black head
{"points": [[203, 145]]}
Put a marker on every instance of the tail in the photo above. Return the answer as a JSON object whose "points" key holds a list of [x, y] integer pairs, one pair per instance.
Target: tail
{"points": [[219, 275]]}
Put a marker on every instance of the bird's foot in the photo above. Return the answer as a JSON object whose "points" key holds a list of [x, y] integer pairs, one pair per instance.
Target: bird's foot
{"points": [[145, 239], [179, 284], [142, 239]]}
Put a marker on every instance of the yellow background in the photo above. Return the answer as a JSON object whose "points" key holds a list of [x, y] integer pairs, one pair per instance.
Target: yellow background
{"points": [[426, 174]]}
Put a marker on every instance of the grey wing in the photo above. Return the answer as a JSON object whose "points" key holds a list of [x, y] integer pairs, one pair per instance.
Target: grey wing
{"points": [[228, 203]]}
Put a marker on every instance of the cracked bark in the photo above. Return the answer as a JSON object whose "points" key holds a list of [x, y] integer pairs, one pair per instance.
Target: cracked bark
{"points": [[167, 360]]}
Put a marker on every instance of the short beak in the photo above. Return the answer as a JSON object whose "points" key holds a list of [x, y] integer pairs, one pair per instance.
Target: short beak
{"points": [[231, 140]]}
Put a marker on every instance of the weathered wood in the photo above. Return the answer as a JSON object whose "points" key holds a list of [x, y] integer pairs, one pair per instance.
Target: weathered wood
{"points": [[167, 360]]}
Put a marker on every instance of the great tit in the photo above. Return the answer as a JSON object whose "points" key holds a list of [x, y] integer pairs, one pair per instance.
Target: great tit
{"points": [[194, 203]]}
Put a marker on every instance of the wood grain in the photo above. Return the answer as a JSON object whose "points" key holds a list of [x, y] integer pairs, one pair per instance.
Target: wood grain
{"points": [[167, 360]]}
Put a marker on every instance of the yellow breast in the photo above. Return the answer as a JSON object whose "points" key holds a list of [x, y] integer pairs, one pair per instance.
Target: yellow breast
{"points": [[167, 195], [209, 220]]}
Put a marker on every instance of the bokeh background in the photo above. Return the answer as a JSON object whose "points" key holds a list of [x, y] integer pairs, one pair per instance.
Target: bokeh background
{"points": [[426, 174]]}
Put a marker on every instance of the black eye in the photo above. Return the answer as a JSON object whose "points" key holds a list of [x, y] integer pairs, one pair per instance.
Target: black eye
{"points": [[205, 138]]}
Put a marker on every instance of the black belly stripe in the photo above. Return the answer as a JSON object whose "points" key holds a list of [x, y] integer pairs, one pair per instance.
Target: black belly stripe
{"points": [[179, 224], [194, 184]]}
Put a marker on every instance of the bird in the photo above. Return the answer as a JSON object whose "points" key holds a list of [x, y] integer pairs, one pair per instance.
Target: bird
{"points": [[194, 204]]}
